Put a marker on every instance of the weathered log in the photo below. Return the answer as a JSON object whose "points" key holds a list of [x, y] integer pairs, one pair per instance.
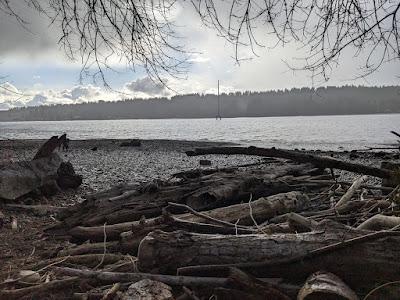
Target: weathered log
{"points": [[361, 264], [20, 178], [261, 209], [324, 285], [350, 192], [379, 222], [36, 290], [319, 161], [91, 248], [204, 193], [258, 210], [48, 148], [112, 277], [67, 178]]}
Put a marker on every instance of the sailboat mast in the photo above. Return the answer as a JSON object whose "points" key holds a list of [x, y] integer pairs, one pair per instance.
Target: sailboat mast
{"points": [[218, 115]]}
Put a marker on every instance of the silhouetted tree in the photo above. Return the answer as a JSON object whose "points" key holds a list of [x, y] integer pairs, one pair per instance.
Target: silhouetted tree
{"points": [[141, 32]]}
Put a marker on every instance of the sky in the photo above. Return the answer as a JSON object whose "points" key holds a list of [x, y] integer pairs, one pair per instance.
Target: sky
{"points": [[34, 70]]}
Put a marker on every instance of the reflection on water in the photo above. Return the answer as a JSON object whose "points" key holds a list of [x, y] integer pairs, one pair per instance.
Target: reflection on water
{"points": [[315, 132]]}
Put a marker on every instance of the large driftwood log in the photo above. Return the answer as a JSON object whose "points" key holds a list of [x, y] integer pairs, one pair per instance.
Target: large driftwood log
{"points": [[203, 193], [261, 210], [319, 161], [20, 178], [361, 265], [258, 210], [47, 148]]}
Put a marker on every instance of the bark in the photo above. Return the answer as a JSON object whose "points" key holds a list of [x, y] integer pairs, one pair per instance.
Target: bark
{"points": [[361, 264], [379, 222], [48, 147], [112, 277], [204, 193], [322, 162], [324, 285], [350, 192], [262, 209], [36, 290], [20, 178]]}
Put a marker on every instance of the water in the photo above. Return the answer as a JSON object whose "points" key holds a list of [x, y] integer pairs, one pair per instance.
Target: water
{"points": [[315, 132]]}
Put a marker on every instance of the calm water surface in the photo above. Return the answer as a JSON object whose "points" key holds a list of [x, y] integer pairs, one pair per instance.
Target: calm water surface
{"points": [[316, 132]]}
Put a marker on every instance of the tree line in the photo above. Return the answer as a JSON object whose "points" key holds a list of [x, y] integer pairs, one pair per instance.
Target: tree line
{"points": [[297, 101]]}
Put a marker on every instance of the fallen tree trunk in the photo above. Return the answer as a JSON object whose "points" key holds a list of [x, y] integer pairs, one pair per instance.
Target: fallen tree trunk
{"points": [[361, 264], [261, 210], [204, 193], [257, 211], [112, 277], [322, 162]]}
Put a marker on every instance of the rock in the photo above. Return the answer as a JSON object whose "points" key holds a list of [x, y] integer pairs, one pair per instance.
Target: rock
{"points": [[94, 149], [131, 143], [205, 162], [147, 289], [67, 178], [20, 178]]}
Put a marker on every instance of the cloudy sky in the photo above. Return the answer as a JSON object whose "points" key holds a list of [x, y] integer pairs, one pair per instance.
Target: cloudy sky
{"points": [[35, 71]]}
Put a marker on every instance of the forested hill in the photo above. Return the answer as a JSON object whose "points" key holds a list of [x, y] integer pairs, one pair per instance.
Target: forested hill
{"points": [[304, 101]]}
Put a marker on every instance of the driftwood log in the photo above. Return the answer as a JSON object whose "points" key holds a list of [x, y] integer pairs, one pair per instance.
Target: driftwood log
{"points": [[20, 178], [203, 193], [319, 161], [362, 263], [259, 210]]}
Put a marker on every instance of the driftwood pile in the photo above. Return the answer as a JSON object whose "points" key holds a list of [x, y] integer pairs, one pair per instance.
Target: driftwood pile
{"points": [[281, 229]]}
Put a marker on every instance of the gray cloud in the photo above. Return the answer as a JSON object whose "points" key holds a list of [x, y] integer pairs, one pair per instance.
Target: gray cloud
{"points": [[35, 39], [147, 86], [37, 100]]}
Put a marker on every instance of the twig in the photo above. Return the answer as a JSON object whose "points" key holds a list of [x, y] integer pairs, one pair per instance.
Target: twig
{"points": [[204, 216], [379, 287], [104, 247], [42, 269]]}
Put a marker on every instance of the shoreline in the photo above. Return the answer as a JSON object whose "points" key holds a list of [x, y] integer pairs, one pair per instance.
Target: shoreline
{"points": [[201, 118], [103, 163]]}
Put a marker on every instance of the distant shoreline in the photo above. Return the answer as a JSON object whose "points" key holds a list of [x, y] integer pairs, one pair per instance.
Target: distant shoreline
{"points": [[345, 100], [201, 118]]}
